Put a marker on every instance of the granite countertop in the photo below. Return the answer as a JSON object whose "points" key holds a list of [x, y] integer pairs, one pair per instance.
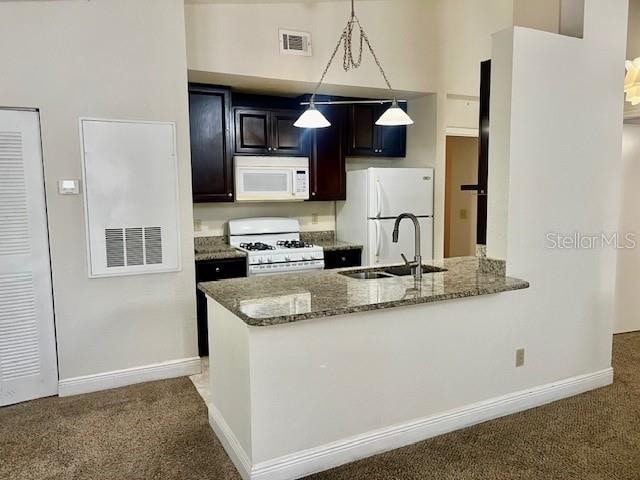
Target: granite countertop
{"points": [[220, 252], [335, 245], [273, 300], [217, 247]]}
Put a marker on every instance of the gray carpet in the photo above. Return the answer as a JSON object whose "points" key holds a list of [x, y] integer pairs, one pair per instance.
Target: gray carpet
{"points": [[159, 430]]}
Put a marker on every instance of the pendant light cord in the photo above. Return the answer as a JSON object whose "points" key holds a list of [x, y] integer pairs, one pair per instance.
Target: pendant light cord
{"points": [[348, 61]]}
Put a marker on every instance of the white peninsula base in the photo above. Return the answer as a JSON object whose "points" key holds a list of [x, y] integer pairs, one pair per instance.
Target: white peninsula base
{"points": [[293, 399]]}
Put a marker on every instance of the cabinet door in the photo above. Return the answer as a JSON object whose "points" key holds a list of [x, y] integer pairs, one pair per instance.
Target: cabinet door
{"points": [[391, 141], [253, 131], [211, 157], [286, 138], [362, 132], [342, 258], [209, 271], [327, 163]]}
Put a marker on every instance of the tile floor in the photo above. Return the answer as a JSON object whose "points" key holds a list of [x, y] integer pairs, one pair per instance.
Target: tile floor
{"points": [[201, 381]]}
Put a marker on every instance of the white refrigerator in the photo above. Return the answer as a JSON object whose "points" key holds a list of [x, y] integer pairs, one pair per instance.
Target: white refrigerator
{"points": [[375, 197]]}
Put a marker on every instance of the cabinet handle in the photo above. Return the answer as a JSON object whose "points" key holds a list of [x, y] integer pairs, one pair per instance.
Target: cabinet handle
{"points": [[230, 194], [313, 194], [217, 269], [344, 259]]}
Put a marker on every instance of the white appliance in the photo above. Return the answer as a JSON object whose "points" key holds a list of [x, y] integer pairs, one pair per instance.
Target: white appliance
{"points": [[375, 197], [271, 178], [273, 245], [130, 177]]}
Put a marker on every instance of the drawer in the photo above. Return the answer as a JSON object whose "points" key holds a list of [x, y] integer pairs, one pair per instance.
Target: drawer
{"points": [[210, 270], [343, 258]]}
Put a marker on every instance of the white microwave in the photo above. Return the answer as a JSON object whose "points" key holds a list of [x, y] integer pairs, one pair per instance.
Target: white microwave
{"points": [[271, 178]]}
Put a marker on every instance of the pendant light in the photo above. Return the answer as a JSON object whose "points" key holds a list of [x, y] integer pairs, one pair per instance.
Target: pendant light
{"points": [[394, 116], [632, 81], [313, 118]]}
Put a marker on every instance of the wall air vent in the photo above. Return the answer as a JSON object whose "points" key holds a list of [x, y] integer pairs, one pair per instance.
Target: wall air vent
{"points": [[295, 43], [127, 243]]}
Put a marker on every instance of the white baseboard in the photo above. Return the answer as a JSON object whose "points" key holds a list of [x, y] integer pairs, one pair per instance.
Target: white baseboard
{"points": [[129, 376], [331, 455], [230, 443]]}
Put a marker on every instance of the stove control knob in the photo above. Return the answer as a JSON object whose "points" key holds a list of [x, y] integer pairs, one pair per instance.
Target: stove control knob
{"points": [[268, 259], [287, 258]]}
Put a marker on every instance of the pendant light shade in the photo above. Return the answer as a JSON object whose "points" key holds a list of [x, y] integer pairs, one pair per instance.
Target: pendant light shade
{"points": [[312, 118], [394, 116], [632, 81]]}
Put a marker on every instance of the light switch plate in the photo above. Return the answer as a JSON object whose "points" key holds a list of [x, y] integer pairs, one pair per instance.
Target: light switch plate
{"points": [[69, 187]]}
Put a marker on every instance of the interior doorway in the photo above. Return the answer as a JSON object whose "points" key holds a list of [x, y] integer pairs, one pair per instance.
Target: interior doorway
{"points": [[28, 362], [460, 226]]}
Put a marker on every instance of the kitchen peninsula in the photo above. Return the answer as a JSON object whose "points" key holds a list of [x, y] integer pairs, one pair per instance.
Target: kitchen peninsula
{"points": [[311, 370]]}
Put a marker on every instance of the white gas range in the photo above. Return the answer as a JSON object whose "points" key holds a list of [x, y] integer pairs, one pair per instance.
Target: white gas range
{"points": [[273, 245]]}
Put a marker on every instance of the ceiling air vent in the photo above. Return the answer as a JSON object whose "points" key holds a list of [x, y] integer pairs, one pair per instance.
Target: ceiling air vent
{"points": [[295, 43]]}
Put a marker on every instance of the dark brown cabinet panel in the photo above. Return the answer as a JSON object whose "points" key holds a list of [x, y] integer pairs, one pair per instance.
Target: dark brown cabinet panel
{"points": [[287, 139], [362, 130], [342, 258], [370, 140], [253, 131], [327, 162], [211, 149], [268, 132], [209, 271]]}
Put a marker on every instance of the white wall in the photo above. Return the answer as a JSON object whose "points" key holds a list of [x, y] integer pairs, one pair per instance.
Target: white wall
{"points": [[111, 59], [210, 218], [627, 316], [242, 39], [560, 178]]}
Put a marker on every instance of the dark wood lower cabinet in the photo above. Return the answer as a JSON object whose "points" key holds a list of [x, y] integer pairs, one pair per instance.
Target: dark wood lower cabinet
{"points": [[210, 271], [342, 258]]}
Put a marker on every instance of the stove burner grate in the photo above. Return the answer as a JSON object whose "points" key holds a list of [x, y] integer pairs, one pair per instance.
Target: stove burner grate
{"points": [[255, 246], [293, 244]]}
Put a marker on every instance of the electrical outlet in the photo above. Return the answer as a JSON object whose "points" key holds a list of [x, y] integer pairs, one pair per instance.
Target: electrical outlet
{"points": [[314, 218], [520, 357], [463, 214]]}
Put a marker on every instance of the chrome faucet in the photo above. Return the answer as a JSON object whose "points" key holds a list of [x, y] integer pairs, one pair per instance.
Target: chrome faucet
{"points": [[416, 265]]}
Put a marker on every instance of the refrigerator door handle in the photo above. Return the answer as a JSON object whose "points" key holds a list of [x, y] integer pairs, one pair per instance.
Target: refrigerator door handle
{"points": [[377, 224], [378, 197]]}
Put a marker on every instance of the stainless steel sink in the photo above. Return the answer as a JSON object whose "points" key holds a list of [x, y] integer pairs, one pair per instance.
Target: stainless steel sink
{"points": [[368, 275], [403, 270], [376, 273]]}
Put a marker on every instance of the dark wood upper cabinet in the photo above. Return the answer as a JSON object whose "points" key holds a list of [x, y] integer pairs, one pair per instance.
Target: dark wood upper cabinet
{"points": [[327, 162], [362, 130], [253, 131], [211, 148], [366, 139], [268, 132]]}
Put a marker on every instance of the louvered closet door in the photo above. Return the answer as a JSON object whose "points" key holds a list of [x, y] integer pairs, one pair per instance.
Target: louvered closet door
{"points": [[28, 367]]}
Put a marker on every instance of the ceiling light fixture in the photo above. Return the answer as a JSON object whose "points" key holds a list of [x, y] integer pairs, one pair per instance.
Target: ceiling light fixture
{"points": [[394, 115], [632, 81]]}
